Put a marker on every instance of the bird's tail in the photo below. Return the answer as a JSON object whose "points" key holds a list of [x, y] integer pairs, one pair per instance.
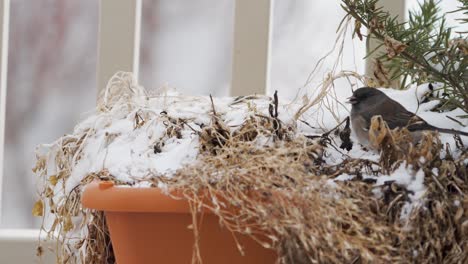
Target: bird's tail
{"points": [[451, 131]]}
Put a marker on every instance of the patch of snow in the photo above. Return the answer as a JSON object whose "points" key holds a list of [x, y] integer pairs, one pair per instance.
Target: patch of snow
{"points": [[412, 99], [412, 181], [342, 177]]}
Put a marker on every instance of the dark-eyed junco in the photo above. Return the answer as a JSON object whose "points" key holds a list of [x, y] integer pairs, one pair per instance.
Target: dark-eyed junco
{"points": [[368, 102]]}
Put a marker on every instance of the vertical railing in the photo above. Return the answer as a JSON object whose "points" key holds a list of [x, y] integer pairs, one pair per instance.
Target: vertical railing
{"points": [[395, 8], [119, 43], [4, 27], [119, 39], [16, 245], [252, 43], [119, 36]]}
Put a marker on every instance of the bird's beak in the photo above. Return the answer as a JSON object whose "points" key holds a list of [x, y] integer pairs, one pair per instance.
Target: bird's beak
{"points": [[352, 100]]}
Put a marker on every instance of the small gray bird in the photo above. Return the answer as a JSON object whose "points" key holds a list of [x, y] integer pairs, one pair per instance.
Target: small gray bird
{"points": [[368, 102]]}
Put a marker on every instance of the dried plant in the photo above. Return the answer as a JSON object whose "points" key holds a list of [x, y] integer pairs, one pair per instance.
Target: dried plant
{"points": [[266, 180]]}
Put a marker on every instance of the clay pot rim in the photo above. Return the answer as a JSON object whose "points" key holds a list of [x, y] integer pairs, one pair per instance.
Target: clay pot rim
{"points": [[105, 196]]}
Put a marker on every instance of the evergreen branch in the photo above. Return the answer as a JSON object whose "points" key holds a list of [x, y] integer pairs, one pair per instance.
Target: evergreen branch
{"points": [[420, 50]]}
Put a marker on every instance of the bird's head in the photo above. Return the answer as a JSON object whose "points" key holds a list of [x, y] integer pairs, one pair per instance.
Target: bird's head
{"points": [[365, 96]]}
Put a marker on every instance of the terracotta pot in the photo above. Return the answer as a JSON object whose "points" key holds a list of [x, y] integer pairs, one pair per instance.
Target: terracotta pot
{"points": [[147, 226]]}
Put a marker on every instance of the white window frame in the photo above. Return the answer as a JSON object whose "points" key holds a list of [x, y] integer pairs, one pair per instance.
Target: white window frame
{"points": [[119, 50]]}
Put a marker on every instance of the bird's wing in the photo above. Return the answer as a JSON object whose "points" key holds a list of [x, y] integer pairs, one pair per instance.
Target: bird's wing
{"points": [[397, 116]]}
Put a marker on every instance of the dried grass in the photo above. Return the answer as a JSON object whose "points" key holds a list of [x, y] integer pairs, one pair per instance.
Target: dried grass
{"points": [[271, 183], [266, 181]]}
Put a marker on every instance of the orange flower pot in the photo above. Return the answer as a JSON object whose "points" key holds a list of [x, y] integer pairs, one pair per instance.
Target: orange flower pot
{"points": [[147, 226]]}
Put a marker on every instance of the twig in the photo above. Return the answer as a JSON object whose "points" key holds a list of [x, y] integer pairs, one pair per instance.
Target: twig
{"points": [[185, 123], [212, 105], [456, 121], [307, 123], [337, 126]]}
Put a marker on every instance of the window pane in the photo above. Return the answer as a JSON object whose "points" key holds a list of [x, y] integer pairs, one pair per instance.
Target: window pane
{"points": [[51, 82], [187, 45], [304, 31]]}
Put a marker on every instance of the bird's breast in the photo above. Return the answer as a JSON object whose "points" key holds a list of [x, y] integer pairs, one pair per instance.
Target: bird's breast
{"points": [[360, 128]]}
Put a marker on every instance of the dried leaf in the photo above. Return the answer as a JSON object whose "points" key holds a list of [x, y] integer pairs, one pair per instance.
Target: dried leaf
{"points": [[459, 214], [39, 251], [38, 209], [371, 82], [54, 225], [49, 192], [378, 131], [53, 180], [68, 224], [375, 24], [380, 74], [393, 47], [464, 228], [63, 174], [461, 44], [357, 29], [345, 134], [40, 165], [305, 99]]}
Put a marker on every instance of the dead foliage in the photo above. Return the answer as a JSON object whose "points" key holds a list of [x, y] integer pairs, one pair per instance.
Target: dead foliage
{"points": [[265, 180], [437, 231], [279, 189]]}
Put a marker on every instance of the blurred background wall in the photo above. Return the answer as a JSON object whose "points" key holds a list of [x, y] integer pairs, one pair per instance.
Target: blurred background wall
{"points": [[185, 44]]}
